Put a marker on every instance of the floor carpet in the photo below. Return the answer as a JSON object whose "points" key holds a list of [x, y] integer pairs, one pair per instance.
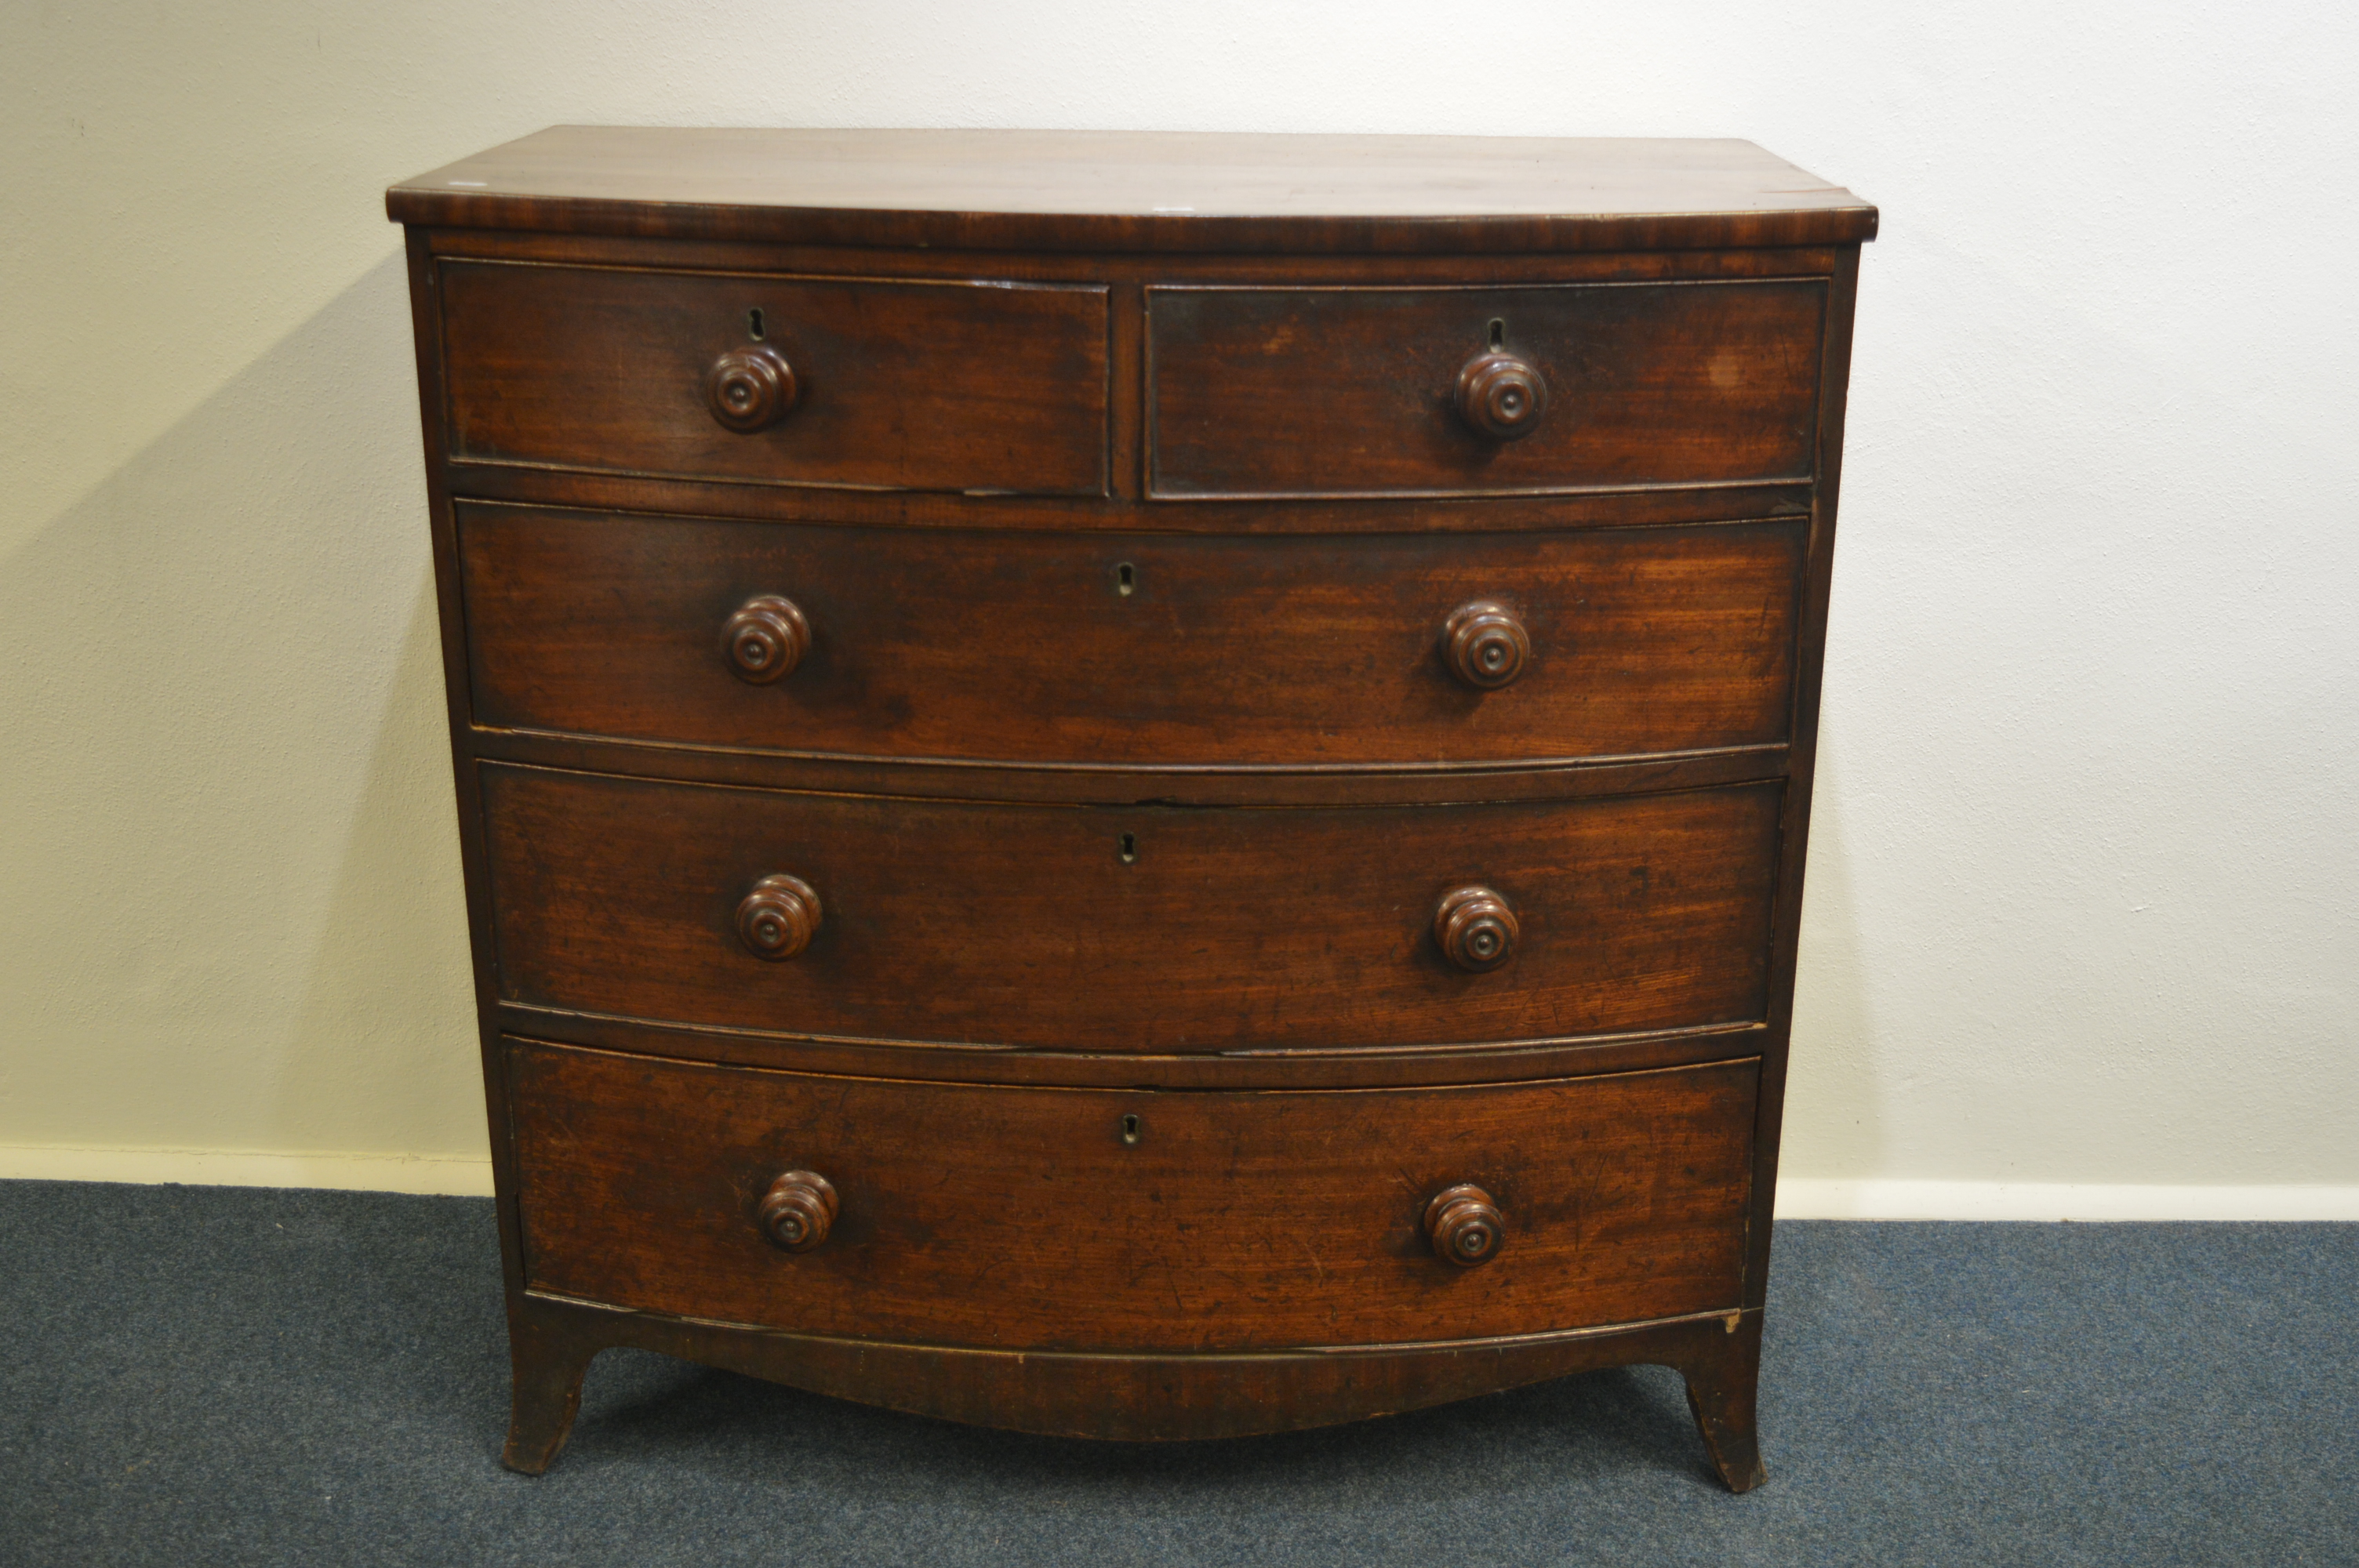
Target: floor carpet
{"points": [[212, 1375]]}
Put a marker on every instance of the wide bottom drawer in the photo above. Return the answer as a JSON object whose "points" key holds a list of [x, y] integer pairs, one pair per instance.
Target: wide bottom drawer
{"points": [[1025, 1218]]}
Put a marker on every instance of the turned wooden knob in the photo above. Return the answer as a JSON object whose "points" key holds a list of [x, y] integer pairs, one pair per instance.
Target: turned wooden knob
{"points": [[1465, 1226], [1476, 928], [1501, 397], [1485, 645], [798, 1210], [765, 639], [779, 917], [748, 389]]}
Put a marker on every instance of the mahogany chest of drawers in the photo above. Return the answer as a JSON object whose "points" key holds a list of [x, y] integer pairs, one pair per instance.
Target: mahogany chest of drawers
{"points": [[1138, 787]]}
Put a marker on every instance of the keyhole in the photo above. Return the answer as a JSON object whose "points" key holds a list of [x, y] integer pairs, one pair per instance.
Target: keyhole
{"points": [[1128, 849], [1125, 579], [1498, 334], [1130, 1130], [754, 325]]}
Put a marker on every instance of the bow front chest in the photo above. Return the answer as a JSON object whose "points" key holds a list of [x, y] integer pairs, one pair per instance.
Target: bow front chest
{"points": [[1133, 786]]}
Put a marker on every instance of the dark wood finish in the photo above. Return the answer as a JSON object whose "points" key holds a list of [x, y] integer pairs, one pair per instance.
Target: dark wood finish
{"points": [[1484, 644], [1023, 646], [1476, 929], [750, 389], [1464, 1226], [899, 386], [1373, 783], [779, 917], [1130, 1398], [799, 1210], [1502, 396], [548, 1354], [1166, 843], [1317, 1066], [1142, 268], [1622, 506], [764, 639], [1235, 1222], [1023, 925], [1794, 832], [1139, 190], [1723, 1377], [1306, 391]]}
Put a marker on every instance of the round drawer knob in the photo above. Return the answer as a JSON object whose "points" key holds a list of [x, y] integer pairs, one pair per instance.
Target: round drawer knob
{"points": [[798, 1210], [1501, 397], [1485, 645], [1476, 928], [779, 917], [748, 389], [765, 639], [1465, 1226]]}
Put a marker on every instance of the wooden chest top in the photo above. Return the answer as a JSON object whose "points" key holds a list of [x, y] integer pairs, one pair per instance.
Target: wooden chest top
{"points": [[1149, 191]]}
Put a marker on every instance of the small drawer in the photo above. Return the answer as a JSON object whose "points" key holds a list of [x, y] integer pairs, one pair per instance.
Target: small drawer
{"points": [[771, 379], [1031, 1219], [1337, 391], [1135, 650], [1130, 928]]}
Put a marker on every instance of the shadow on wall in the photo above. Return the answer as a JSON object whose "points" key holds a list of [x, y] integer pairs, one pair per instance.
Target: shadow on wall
{"points": [[234, 918], [1832, 1131]]}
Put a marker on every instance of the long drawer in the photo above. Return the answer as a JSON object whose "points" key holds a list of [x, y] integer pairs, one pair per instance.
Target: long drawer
{"points": [[1130, 928], [1083, 1219], [1141, 650], [766, 378]]}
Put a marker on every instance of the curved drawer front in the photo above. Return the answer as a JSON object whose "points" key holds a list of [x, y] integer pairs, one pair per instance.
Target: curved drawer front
{"points": [[1137, 650], [1081, 1220], [1136, 929], [902, 385], [1482, 391]]}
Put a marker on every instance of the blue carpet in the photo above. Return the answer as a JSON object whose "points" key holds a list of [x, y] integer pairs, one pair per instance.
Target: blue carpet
{"points": [[209, 1375]]}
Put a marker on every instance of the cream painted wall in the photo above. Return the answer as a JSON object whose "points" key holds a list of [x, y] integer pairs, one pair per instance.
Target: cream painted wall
{"points": [[2082, 907]]}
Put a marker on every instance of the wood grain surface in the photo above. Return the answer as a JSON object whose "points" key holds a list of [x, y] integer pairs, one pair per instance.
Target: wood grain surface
{"points": [[1137, 190], [1024, 925], [907, 385], [954, 625], [1134, 1397], [1017, 1217], [1027, 647], [1322, 392]]}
